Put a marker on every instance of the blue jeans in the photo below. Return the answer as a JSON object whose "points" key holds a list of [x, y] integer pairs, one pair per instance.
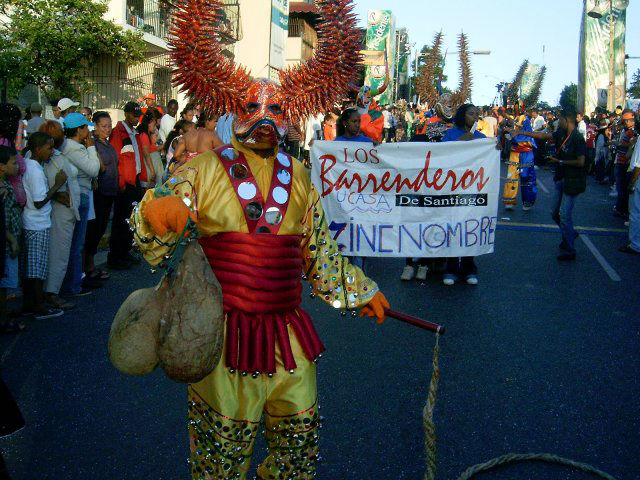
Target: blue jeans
{"points": [[562, 214], [634, 218], [73, 279]]}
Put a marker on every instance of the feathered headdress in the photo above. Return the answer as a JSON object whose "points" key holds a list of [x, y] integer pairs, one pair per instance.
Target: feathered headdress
{"points": [[214, 81]]}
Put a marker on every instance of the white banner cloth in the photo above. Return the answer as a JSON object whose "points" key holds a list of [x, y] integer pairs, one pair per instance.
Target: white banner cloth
{"points": [[409, 199]]}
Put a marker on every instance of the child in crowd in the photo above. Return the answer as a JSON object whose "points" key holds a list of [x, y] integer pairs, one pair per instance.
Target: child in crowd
{"points": [[13, 229], [36, 219]]}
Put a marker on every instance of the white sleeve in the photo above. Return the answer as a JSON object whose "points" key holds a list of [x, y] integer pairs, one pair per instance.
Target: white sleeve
{"points": [[164, 130], [35, 184], [86, 160]]}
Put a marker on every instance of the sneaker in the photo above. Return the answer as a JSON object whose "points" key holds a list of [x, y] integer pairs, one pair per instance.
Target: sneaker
{"points": [[49, 313], [407, 273], [629, 249], [422, 272], [613, 194], [448, 279], [626, 224], [526, 207], [472, 279]]}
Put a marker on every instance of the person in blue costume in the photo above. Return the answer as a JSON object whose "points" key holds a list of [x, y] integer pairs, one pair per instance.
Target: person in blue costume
{"points": [[525, 146]]}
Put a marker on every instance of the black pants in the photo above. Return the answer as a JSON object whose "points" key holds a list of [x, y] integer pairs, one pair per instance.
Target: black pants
{"points": [[461, 266], [102, 205], [121, 236], [293, 147]]}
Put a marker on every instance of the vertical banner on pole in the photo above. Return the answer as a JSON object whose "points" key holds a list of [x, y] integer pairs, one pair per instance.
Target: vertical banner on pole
{"points": [[381, 37], [279, 34], [593, 70]]}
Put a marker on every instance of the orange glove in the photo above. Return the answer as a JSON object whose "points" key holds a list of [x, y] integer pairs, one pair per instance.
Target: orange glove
{"points": [[375, 308], [167, 214]]}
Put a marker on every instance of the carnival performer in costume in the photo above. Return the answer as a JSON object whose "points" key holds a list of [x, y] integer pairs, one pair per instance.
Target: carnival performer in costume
{"points": [[371, 119], [261, 226], [521, 169], [521, 166]]}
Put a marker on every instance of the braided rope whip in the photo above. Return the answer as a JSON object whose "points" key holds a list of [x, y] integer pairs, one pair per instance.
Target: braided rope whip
{"points": [[528, 457], [430, 439], [427, 414]]}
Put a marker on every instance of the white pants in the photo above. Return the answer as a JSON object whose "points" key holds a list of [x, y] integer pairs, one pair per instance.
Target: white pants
{"points": [[63, 221]]}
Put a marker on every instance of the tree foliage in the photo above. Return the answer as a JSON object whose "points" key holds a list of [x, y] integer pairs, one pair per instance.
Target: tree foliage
{"points": [[50, 43], [569, 97], [634, 88]]}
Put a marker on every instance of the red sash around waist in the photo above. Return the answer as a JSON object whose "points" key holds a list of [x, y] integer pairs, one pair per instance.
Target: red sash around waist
{"points": [[522, 148], [260, 276]]}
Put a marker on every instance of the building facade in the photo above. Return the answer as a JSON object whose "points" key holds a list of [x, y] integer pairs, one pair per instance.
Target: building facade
{"points": [[115, 83]]}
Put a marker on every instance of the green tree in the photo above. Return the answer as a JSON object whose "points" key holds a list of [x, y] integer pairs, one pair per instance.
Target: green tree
{"points": [[634, 88], [50, 43], [569, 96]]}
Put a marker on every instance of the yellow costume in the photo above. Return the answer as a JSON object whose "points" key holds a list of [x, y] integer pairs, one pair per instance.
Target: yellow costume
{"points": [[225, 408]]}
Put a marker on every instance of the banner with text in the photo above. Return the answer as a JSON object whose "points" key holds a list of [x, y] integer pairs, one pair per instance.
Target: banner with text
{"points": [[409, 199]]}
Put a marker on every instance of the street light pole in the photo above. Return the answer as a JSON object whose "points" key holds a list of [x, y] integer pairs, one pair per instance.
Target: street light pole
{"points": [[611, 100]]}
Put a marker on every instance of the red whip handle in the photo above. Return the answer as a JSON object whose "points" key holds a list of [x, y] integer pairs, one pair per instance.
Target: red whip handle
{"points": [[415, 321]]}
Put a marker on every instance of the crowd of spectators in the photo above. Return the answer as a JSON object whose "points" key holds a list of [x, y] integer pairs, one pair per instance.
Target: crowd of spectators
{"points": [[66, 179], [63, 181]]}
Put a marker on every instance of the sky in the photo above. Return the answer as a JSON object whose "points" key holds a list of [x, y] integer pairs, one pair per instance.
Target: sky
{"points": [[514, 30]]}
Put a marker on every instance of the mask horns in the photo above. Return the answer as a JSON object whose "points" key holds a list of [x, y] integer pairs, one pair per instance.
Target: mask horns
{"points": [[201, 70], [316, 85], [425, 83], [464, 90]]}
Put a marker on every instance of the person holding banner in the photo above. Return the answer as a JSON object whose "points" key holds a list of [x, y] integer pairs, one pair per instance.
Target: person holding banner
{"points": [[348, 129], [465, 122]]}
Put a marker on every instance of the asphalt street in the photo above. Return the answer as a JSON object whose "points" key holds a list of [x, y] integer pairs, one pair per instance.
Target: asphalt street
{"points": [[541, 356]]}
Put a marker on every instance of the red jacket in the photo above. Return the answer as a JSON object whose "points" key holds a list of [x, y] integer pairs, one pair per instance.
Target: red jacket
{"points": [[126, 157]]}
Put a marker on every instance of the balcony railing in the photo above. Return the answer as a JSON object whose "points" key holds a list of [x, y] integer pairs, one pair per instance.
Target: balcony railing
{"points": [[148, 16], [298, 28], [154, 17]]}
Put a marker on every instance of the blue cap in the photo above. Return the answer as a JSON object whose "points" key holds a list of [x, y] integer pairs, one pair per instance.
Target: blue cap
{"points": [[75, 120]]}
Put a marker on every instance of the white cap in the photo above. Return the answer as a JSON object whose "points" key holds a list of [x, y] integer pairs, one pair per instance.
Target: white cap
{"points": [[66, 103]]}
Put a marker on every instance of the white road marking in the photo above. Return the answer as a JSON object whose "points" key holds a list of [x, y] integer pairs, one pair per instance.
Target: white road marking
{"points": [[613, 275], [542, 186]]}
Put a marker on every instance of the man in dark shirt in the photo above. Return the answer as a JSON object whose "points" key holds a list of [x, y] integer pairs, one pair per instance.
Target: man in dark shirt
{"points": [[569, 178]]}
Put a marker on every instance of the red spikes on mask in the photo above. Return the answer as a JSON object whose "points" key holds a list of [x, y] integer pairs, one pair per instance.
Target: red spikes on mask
{"points": [[315, 86], [213, 80], [201, 69]]}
